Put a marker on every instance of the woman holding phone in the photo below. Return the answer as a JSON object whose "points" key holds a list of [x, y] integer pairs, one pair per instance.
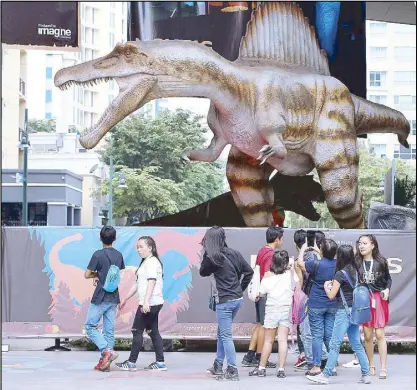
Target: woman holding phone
{"points": [[375, 273]]}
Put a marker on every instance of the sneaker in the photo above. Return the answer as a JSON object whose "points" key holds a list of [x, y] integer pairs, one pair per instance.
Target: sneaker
{"points": [[281, 373], [300, 362], [157, 366], [99, 364], [126, 366], [318, 378], [247, 361], [105, 365], [334, 372], [114, 356], [351, 364], [271, 365], [231, 374], [323, 364], [255, 363], [258, 372], [301, 368], [365, 380], [216, 368]]}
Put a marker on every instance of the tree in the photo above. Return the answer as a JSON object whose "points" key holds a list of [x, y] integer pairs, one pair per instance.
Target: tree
{"points": [[148, 152], [42, 125]]}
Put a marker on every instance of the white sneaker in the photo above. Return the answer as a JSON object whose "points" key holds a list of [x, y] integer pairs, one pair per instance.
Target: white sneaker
{"points": [[365, 380], [352, 364], [319, 378]]}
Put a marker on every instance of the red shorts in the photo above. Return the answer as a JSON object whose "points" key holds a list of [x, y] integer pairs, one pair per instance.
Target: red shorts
{"points": [[379, 314]]}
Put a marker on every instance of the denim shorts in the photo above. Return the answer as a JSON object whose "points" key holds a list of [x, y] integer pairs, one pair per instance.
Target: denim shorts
{"points": [[275, 316], [260, 310]]}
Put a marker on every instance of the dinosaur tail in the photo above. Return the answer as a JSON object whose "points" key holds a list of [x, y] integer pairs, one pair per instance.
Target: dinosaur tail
{"points": [[375, 118]]}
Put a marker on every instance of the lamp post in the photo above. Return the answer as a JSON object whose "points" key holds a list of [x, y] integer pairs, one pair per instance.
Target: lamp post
{"points": [[24, 144], [122, 184]]}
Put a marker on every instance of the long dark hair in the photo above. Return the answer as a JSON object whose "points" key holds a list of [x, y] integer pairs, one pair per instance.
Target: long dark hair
{"points": [[214, 242], [345, 257], [150, 242], [376, 254], [280, 261]]}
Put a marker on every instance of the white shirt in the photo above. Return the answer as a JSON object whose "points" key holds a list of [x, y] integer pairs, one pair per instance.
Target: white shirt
{"points": [[150, 269], [279, 289]]}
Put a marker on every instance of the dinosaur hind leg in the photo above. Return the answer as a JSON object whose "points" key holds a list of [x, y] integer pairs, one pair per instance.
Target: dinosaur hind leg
{"points": [[337, 163], [251, 191]]}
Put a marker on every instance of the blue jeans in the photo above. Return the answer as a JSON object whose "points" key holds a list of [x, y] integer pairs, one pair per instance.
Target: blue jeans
{"points": [[307, 340], [226, 313], [321, 325], [107, 310], [341, 327]]}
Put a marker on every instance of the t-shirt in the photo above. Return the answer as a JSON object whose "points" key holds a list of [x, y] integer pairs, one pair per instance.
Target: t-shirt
{"points": [[100, 262], [325, 271], [264, 260], [345, 287], [279, 289], [150, 269]]}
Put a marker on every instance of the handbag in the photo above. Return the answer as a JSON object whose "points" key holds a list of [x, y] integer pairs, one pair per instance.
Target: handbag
{"points": [[299, 303], [255, 284]]}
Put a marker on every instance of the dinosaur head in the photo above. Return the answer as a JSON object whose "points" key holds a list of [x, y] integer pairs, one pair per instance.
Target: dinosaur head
{"points": [[135, 72], [144, 70]]}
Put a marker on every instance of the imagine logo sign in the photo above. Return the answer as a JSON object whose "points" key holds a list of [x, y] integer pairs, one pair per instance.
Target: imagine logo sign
{"points": [[52, 29]]}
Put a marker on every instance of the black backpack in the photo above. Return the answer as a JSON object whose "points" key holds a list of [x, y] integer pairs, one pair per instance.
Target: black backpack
{"points": [[308, 282]]}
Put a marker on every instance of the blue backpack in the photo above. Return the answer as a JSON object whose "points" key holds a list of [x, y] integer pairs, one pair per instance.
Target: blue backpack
{"points": [[112, 278], [361, 305]]}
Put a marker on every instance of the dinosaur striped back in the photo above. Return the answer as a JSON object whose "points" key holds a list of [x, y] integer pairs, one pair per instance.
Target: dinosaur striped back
{"points": [[278, 34]]}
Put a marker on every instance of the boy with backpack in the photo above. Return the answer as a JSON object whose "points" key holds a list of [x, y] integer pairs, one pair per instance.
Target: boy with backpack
{"points": [[104, 267]]}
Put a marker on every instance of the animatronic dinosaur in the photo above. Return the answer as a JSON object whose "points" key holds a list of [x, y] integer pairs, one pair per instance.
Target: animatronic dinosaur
{"points": [[277, 103]]}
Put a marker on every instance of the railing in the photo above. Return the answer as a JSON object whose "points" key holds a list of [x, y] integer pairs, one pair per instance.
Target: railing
{"points": [[19, 223], [22, 87]]}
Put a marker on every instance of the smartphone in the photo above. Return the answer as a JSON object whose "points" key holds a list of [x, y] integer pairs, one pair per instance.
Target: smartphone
{"points": [[311, 236]]}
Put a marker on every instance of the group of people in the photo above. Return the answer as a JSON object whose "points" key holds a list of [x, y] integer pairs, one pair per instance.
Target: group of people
{"points": [[324, 271]]}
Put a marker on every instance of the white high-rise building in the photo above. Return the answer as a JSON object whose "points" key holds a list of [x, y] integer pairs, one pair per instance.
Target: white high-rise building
{"points": [[103, 24], [391, 80]]}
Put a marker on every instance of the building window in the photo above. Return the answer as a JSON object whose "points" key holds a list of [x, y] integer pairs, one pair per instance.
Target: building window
{"points": [[111, 98], [404, 153], [49, 55], [381, 99], [48, 73], [405, 53], [48, 96], [112, 20], [413, 127], [379, 150], [378, 52], [111, 40], [405, 78], [48, 115], [111, 84], [378, 27], [88, 54], [377, 79], [405, 102]]}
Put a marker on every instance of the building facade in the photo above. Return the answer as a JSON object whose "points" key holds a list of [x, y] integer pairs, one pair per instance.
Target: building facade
{"points": [[391, 66]]}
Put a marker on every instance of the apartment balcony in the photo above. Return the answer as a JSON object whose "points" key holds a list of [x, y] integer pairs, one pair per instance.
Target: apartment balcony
{"points": [[22, 89]]}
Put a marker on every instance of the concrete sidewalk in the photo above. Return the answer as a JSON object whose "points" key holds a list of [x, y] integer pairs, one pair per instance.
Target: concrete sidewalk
{"points": [[186, 371]]}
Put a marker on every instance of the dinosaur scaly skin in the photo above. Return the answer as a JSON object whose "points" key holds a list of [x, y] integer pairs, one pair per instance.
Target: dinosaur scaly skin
{"points": [[277, 105]]}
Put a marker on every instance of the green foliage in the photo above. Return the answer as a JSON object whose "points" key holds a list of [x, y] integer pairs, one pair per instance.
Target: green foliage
{"points": [[405, 192], [149, 152], [42, 125]]}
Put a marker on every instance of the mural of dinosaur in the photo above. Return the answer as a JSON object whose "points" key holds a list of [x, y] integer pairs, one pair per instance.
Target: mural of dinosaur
{"points": [[276, 105]]}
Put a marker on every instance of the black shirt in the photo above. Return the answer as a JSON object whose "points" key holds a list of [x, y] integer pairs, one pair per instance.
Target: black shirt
{"points": [[228, 276], [378, 278], [345, 286], [100, 262]]}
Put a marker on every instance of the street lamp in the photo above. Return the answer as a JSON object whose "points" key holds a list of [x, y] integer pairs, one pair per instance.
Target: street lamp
{"points": [[24, 145], [122, 184]]}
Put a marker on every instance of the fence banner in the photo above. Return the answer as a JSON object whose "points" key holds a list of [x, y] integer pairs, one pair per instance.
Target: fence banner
{"points": [[43, 24], [44, 293]]}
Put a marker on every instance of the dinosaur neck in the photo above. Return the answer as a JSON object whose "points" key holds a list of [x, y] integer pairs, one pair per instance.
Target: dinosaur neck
{"points": [[214, 78]]}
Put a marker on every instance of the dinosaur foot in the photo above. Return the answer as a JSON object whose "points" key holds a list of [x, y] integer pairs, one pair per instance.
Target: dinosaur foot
{"points": [[268, 151]]}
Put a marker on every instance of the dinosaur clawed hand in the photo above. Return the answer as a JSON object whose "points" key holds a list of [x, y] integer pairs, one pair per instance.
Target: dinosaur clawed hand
{"points": [[185, 159], [268, 151]]}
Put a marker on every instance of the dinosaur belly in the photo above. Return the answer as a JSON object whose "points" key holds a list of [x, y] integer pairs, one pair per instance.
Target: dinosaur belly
{"points": [[295, 164]]}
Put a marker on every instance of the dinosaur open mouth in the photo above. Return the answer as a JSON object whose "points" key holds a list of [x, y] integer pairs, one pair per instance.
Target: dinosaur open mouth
{"points": [[90, 137]]}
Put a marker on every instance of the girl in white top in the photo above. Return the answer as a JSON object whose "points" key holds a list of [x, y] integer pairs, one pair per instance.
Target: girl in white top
{"points": [[278, 286], [149, 287]]}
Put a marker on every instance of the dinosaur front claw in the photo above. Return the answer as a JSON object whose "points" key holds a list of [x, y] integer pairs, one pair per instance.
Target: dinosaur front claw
{"points": [[268, 151], [185, 159]]}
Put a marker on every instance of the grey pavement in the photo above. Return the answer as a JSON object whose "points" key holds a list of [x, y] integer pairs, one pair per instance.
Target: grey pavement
{"points": [[74, 370]]}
